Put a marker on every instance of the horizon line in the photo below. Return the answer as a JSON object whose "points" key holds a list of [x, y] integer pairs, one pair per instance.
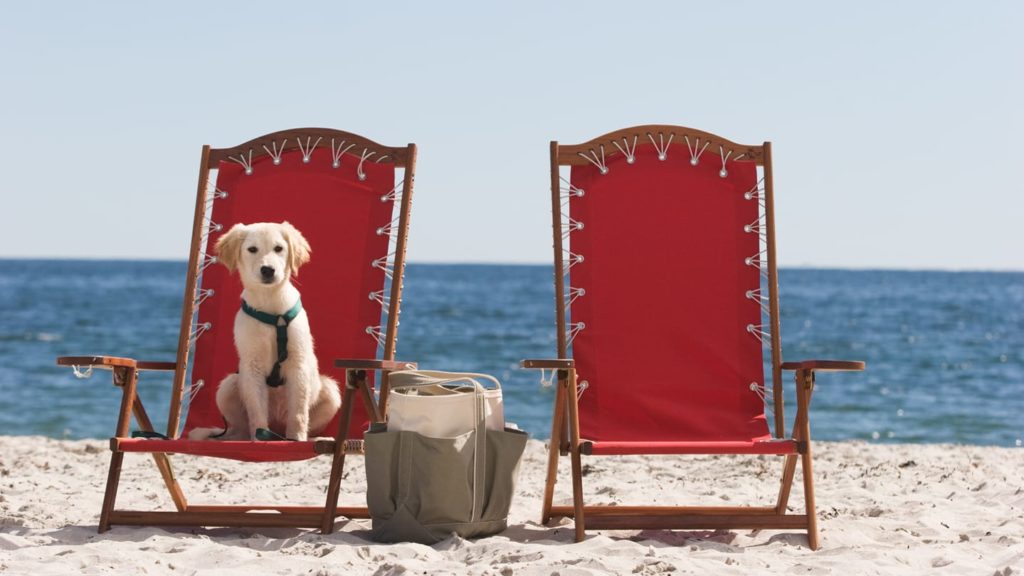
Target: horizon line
{"points": [[859, 268]]}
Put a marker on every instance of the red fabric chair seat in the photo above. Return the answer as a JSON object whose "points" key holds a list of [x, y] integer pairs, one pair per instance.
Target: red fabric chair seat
{"points": [[243, 450], [758, 446]]}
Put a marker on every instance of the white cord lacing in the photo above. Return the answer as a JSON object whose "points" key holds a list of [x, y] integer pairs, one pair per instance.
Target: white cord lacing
{"points": [[338, 152], [725, 158], [377, 333], [574, 294], [757, 260], [574, 329], [307, 150], [571, 259], [663, 148], [629, 153], [200, 329], [245, 162], [381, 298], [276, 154], [202, 295], [754, 226], [363, 158], [758, 331], [756, 192], [695, 150], [384, 263], [387, 228], [81, 374], [581, 387], [194, 389], [591, 156], [207, 261], [571, 226], [549, 381], [210, 226], [758, 297], [764, 394], [217, 194], [395, 195]]}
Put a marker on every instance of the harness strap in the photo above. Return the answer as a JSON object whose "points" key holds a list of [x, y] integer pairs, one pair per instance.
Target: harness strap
{"points": [[280, 323]]}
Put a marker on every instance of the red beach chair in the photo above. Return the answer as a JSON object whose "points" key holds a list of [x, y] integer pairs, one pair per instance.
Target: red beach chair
{"points": [[342, 192], [666, 237]]}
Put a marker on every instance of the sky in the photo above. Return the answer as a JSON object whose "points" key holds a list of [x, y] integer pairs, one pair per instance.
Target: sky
{"points": [[897, 127]]}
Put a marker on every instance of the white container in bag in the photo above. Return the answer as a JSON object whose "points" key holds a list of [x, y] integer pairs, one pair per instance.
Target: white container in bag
{"points": [[443, 404]]}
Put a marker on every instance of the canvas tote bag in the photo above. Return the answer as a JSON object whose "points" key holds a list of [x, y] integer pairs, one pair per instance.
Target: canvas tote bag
{"points": [[423, 488]]}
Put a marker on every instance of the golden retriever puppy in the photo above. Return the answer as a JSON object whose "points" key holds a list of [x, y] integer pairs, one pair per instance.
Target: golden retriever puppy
{"points": [[278, 384]]}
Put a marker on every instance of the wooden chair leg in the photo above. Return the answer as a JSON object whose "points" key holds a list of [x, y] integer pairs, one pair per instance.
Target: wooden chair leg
{"points": [[338, 462], [577, 494], [110, 494], [802, 432], [812, 513], [554, 450], [572, 398], [163, 462], [126, 379], [788, 471]]}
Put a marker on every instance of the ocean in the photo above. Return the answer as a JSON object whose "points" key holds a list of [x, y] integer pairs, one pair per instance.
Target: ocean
{"points": [[945, 350]]}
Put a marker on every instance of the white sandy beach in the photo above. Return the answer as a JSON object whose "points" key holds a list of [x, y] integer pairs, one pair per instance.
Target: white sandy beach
{"points": [[903, 509]]}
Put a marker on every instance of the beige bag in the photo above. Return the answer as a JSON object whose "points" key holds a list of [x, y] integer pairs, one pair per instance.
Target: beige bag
{"points": [[441, 404], [422, 488]]}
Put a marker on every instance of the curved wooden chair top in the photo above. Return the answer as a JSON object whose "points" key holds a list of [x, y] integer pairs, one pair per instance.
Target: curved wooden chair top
{"points": [[568, 154], [285, 140]]}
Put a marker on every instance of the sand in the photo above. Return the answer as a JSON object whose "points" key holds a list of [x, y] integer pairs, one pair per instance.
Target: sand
{"points": [[883, 509]]}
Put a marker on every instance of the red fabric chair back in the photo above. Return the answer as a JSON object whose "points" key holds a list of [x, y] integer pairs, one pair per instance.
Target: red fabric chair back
{"points": [[341, 216], [665, 349]]}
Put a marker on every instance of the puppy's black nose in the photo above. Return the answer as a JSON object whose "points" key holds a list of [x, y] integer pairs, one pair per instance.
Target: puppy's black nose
{"points": [[267, 272]]}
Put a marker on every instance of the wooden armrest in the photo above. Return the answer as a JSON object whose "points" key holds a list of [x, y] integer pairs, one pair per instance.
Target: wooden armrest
{"points": [[362, 364], [825, 365], [107, 362], [548, 363]]}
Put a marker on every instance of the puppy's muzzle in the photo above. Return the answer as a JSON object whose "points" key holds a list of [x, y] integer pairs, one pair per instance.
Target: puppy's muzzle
{"points": [[267, 274]]}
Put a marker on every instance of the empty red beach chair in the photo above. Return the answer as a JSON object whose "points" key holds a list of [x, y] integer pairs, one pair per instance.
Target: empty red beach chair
{"points": [[667, 315], [350, 198]]}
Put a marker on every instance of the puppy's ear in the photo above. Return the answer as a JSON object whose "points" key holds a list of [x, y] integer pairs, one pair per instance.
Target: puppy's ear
{"points": [[298, 247], [229, 247]]}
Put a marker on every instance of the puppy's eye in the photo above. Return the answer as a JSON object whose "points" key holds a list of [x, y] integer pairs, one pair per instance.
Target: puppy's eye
{"points": [[278, 248], [252, 249]]}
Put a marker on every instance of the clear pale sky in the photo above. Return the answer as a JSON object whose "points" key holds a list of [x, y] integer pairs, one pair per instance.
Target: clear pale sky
{"points": [[897, 127]]}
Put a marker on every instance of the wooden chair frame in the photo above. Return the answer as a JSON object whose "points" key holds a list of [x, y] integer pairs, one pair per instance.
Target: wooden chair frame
{"points": [[126, 370], [565, 428]]}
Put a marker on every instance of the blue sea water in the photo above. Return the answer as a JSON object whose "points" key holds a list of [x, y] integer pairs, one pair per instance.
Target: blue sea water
{"points": [[945, 350]]}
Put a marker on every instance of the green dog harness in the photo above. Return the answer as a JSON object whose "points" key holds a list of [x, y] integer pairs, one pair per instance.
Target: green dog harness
{"points": [[280, 322]]}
